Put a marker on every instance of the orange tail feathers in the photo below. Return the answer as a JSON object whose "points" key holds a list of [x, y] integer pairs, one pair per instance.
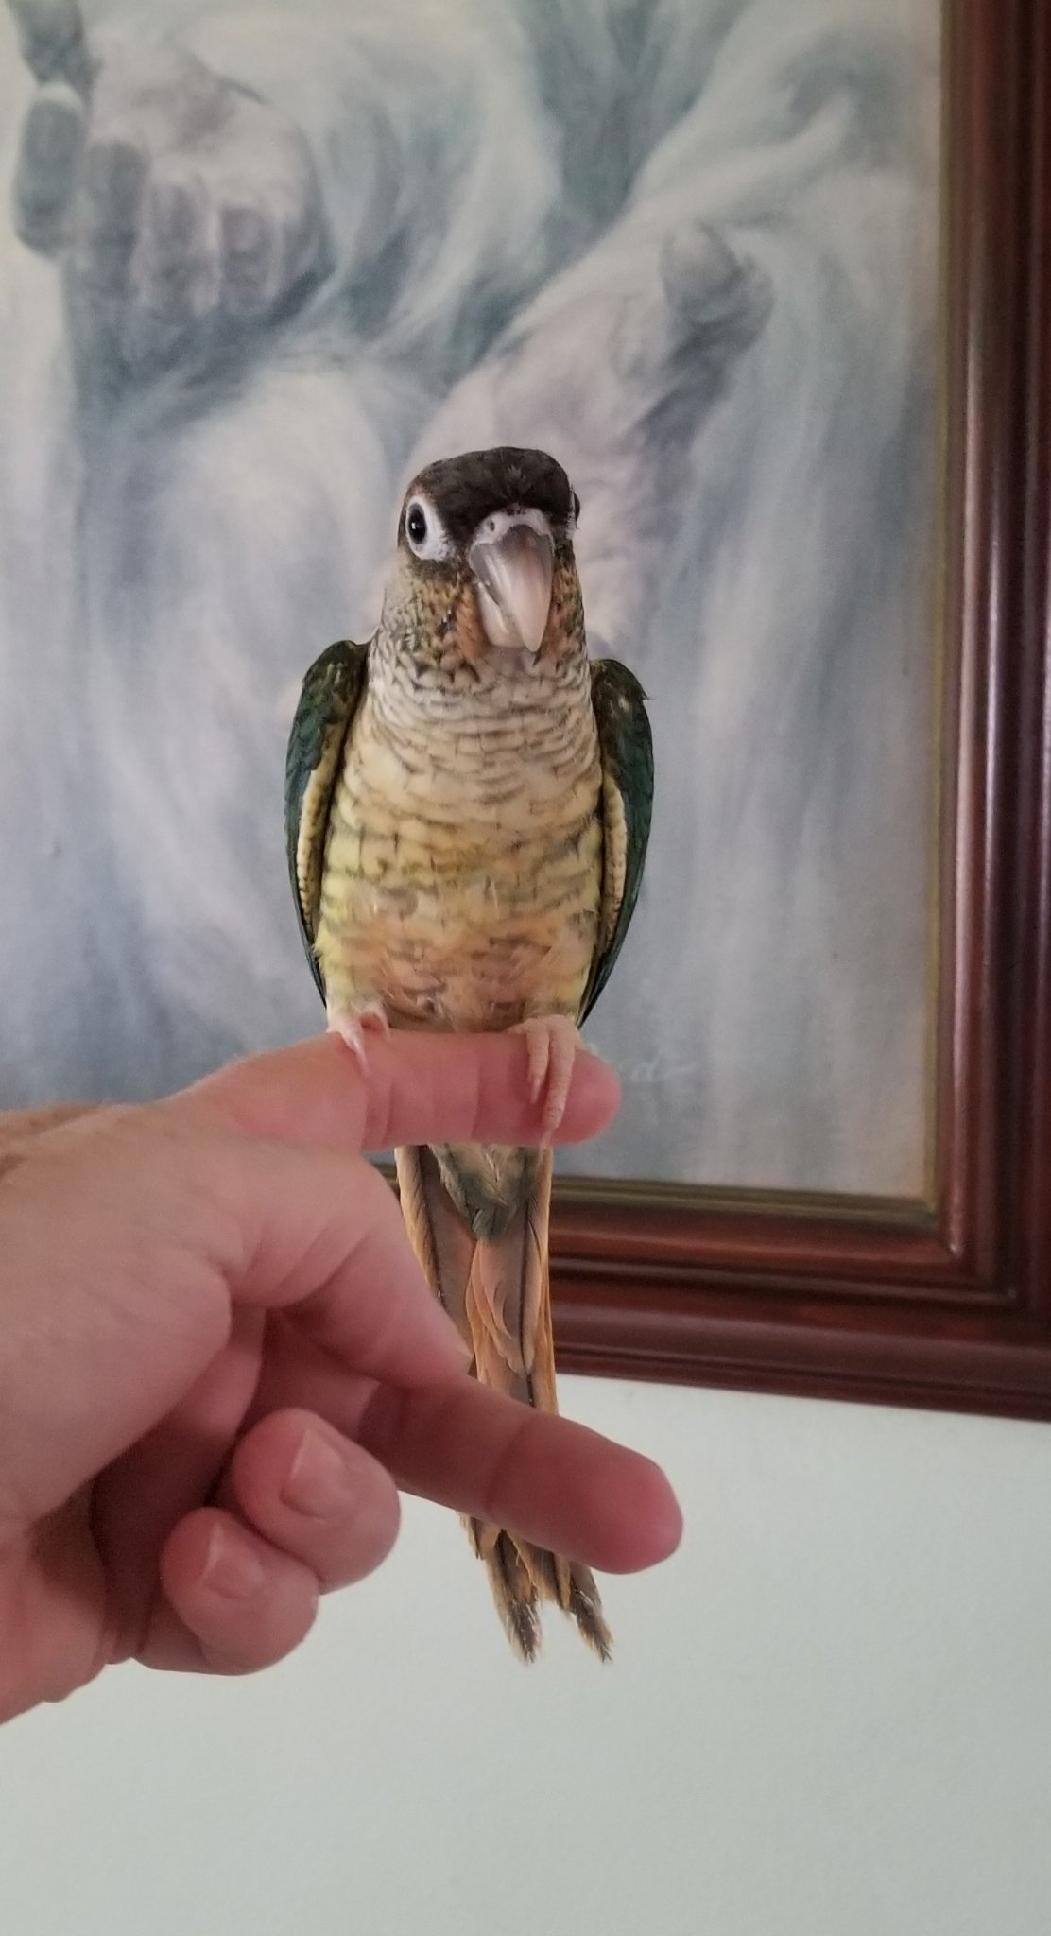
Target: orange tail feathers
{"points": [[497, 1291]]}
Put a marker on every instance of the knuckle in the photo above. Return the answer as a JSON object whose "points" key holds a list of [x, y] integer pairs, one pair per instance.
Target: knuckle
{"points": [[499, 1480]]}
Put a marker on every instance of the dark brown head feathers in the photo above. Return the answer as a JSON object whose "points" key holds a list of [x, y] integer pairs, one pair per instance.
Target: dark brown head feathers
{"points": [[468, 488]]}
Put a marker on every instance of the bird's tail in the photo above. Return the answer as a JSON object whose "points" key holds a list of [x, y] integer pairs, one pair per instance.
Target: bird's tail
{"points": [[497, 1291]]}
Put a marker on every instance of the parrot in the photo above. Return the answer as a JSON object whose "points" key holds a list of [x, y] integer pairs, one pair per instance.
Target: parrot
{"points": [[468, 800]]}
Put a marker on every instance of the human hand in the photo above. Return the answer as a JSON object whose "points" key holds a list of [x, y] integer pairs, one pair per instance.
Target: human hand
{"points": [[219, 1359], [186, 210]]}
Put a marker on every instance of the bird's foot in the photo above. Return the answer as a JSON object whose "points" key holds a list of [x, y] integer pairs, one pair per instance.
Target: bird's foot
{"points": [[552, 1042], [350, 1025]]}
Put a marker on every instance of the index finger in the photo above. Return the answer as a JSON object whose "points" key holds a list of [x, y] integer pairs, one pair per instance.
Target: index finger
{"points": [[485, 1454], [420, 1089], [558, 1484]]}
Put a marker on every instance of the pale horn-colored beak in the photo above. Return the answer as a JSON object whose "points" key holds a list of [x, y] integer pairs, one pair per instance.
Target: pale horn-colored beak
{"points": [[513, 568]]}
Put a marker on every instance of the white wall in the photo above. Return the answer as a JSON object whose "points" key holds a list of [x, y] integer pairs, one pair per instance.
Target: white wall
{"points": [[829, 1716]]}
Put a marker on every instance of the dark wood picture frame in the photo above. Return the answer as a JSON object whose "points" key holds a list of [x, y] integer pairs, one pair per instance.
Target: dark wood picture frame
{"points": [[945, 1303]]}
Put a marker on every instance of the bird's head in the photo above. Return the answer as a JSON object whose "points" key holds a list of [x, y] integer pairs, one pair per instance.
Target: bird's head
{"points": [[485, 558]]}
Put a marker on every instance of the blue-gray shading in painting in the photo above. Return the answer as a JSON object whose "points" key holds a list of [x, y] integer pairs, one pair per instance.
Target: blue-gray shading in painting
{"points": [[286, 254]]}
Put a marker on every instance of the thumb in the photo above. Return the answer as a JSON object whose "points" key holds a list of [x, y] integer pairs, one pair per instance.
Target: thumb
{"points": [[52, 39]]}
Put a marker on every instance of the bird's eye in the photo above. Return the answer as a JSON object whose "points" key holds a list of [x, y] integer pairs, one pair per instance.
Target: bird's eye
{"points": [[425, 533], [576, 507]]}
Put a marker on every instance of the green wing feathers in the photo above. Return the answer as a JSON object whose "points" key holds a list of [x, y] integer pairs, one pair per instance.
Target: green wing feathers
{"points": [[331, 693], [626, 750]]}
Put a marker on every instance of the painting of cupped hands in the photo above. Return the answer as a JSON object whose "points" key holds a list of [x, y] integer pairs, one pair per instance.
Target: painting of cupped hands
{"points": [[259, 263]]}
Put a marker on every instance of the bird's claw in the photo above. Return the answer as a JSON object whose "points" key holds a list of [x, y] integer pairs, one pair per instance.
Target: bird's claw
{"points": [[552, 1042], [350, 1025]]}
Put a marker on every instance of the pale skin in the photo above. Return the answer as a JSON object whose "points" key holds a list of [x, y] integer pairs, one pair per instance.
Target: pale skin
{"points": [[219, 1363], [552, 1042]]}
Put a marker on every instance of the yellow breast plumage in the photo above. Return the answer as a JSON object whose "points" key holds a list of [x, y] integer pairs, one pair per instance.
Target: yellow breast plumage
{"points": [[461, 875]]}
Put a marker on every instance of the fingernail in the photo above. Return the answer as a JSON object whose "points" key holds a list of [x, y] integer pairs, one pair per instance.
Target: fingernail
{"points": [[319, 1482], [230, 1567]]}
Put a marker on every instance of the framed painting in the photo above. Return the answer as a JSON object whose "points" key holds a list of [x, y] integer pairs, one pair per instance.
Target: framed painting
{"points": [[767, 279], [937, 1293]]}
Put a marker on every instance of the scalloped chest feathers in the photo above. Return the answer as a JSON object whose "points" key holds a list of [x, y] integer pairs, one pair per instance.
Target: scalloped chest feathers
{"points": [[463, 859]]}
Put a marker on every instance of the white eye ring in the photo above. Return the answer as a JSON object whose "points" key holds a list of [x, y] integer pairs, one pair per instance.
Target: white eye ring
{"points": [[425, 534]]}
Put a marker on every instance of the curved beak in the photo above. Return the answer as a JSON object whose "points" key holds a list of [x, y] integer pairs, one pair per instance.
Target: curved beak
{"points": [[513, 572]]}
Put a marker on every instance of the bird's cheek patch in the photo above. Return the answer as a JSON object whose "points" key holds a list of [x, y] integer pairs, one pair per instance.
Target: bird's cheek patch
{"points": [[470, 632]]}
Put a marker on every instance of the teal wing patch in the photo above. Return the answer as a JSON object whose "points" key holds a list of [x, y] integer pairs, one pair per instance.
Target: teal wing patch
{"points": [[331, 693], [626, 751]]}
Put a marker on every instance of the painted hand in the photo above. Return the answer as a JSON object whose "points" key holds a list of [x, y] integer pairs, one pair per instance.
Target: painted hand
{"points": [[186, 211], [633, 343]]}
